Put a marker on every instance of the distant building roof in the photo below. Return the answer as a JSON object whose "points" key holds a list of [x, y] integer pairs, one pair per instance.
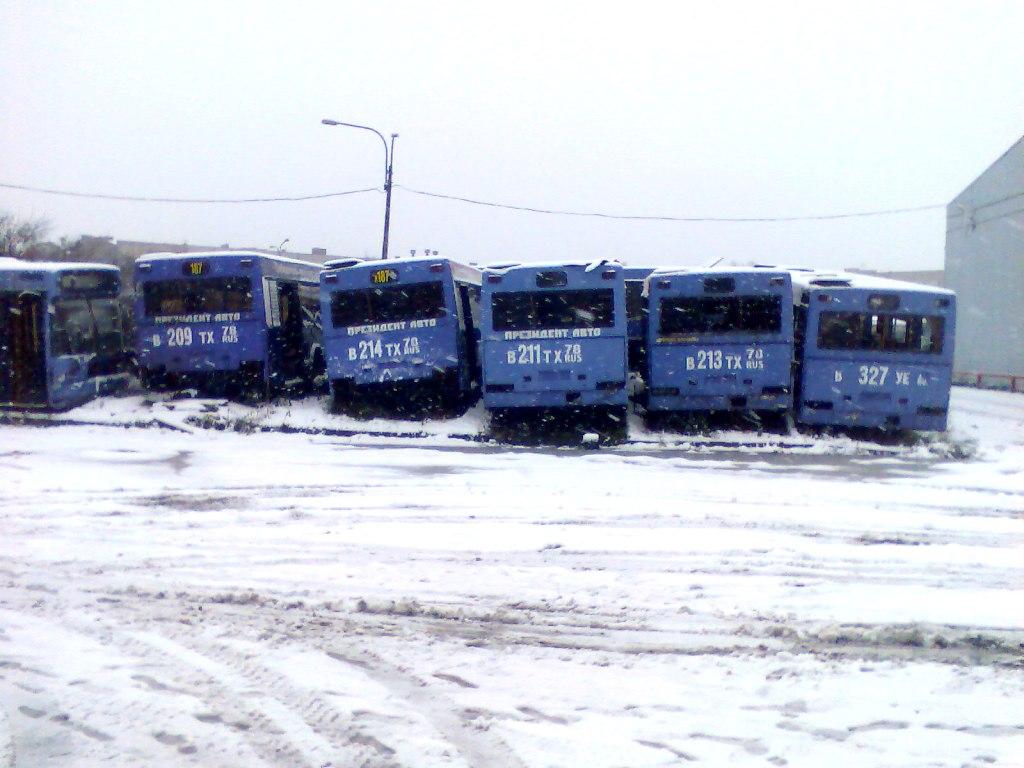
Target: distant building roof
{"points": [[936, 277]]}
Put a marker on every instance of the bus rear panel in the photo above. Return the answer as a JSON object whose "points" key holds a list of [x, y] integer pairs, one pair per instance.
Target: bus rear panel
{"points": [[719, 340], [404, 323], [225, 321], [874, 353], [554, 336], [61, 334]]}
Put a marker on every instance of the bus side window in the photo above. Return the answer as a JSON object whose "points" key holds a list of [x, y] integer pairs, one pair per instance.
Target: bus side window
{"points": [[474, 304], [461, 305]]}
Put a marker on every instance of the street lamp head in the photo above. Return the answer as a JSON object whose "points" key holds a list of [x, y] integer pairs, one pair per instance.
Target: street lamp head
{"points": [[394, 135], [325, 121]]}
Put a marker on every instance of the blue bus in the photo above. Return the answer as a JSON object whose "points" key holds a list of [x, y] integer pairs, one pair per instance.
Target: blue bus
{"points": [[720, 339], [235, 322], [61, 333], [554, 336], [407, 327], [872, 352], [636, 315]]}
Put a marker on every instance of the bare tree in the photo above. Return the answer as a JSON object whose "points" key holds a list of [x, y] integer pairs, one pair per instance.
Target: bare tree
{"points": [[17, 236]]}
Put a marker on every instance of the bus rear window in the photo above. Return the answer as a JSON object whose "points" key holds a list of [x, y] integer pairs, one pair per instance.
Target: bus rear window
{"points": [[85, 327], [878, 332], [728, 314], [391, 304], [531, 310], [186, 297]]}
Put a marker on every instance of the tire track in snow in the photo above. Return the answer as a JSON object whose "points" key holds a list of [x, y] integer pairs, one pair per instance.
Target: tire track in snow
{"points": [[479, 748], [290, 725], [6, 741], [86, 689]]}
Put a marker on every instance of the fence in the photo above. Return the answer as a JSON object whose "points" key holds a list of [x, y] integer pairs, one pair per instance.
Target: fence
{"points": [[1001, 381]]}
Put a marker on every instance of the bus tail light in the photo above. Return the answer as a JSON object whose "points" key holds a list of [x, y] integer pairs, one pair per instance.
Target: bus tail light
{"points": [[818, 405], [611, 386], [501, 388], [665, 391]]}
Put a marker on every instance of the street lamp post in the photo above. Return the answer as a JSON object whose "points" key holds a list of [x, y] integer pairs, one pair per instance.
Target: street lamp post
{"points": [[389, 155]]}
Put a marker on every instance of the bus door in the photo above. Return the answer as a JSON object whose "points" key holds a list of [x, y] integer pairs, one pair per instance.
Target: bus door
{"points": [[285, 323], [22, 349], [470, 306]]}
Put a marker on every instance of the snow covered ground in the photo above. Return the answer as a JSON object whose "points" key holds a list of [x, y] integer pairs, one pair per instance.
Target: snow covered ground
{"points": [[183, 595]]}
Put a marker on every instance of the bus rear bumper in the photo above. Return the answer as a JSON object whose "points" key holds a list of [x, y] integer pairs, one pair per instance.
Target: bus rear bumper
{"points": [[669, 399], [248, 375], [922, 418], [554, 398], [383, 376]]}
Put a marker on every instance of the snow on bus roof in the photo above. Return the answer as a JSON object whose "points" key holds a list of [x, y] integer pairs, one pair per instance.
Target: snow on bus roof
{"points": [[8, 264], [719, 269], [587, 265], [840, 279], [378, 263], [148, 257]]}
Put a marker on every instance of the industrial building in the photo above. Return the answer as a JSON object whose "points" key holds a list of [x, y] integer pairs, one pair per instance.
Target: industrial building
{"points": [[985, 266]]}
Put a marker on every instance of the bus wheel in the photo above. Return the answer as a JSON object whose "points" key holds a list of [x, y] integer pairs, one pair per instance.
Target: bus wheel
{"points": [[341, 396], [318, 373], [151, 380], [618, 428], [655, 420], [254, 386], [451, 393]]}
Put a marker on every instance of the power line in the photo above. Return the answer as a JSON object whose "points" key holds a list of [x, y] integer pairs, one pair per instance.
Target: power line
{"points": [[964, 208], [823, 217], [473, 201], [974, 223], [131, 198]]}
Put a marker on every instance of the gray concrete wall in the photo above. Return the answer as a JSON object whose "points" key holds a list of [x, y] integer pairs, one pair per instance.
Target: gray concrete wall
{"points": [[985, 266]]}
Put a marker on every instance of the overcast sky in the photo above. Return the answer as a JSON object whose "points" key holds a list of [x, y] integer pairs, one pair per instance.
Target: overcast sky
{"points": [[721, 109]]}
